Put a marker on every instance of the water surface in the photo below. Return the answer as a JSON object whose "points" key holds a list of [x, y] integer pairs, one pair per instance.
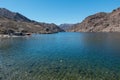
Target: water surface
{"points": [[62, 56]]}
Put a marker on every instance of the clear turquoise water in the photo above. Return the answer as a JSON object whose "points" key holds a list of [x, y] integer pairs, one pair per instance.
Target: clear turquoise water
{"points": [[62, 56]]}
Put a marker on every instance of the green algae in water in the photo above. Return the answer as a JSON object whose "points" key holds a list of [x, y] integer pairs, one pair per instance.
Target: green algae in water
{"points": [[63, 56]]}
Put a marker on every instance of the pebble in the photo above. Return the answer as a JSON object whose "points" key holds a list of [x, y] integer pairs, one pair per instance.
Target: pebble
{"points": [[0, 78], [30, 71], [61, 61]]}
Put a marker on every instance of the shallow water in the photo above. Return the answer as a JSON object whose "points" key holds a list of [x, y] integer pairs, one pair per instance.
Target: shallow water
{"points": [[62, 56]]}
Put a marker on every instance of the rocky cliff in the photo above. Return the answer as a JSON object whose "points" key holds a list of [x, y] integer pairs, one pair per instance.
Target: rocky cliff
{"points": [[100, 22], [17, 22]]}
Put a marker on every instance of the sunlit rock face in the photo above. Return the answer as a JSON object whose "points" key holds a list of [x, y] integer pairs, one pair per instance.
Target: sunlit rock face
{"points": [[99, 22]]}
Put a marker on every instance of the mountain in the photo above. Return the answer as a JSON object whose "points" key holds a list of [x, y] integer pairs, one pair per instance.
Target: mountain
{"points": [[15, 21], [65, 26], [99, 22], [12, 15]]}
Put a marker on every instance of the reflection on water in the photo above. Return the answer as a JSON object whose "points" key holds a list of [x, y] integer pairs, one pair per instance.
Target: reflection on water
{"points": [[62, 56]]}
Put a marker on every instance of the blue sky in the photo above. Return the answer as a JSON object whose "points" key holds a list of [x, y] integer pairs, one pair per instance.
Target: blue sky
{"points": [[59, 11]]}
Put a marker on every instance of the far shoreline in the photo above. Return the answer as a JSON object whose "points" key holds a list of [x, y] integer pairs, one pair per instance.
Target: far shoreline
{"points": [[11, 36]]}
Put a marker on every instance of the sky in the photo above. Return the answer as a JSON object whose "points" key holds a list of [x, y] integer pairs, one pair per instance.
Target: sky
{"points": [[59, 11]]}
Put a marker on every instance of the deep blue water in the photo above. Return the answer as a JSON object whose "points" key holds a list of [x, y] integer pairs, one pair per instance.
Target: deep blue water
{"points": [[61, 56]]}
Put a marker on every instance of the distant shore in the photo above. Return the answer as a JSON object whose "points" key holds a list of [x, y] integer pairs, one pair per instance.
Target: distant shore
{"points": [[9, 36], [5, 36]]}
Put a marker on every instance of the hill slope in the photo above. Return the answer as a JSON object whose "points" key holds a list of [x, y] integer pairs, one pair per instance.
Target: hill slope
{"points": [[100, 22], [15, 21]]}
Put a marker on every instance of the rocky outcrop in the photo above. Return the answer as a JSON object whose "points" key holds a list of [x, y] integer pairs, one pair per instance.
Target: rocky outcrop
{"points": [[100, 22], [17, 22]]}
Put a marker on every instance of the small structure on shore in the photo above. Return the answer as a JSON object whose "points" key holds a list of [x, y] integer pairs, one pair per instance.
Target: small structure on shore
{"points": [[17, 33], [28, 33], [12, 32]]}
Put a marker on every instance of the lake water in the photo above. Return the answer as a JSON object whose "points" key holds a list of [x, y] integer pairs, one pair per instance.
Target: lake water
{"points": [[61, 56]]}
